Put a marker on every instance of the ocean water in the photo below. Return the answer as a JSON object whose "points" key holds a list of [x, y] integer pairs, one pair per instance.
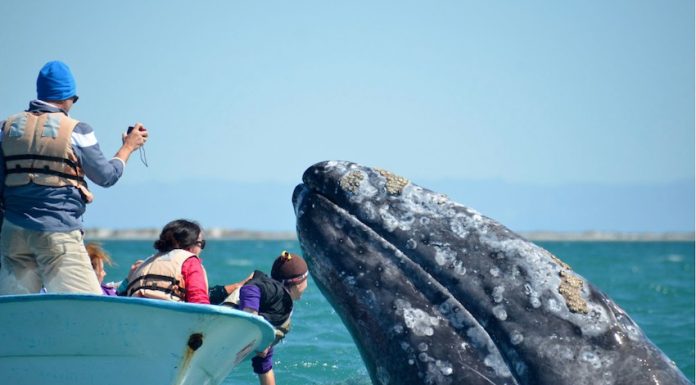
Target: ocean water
{"points": [[652, 281]]}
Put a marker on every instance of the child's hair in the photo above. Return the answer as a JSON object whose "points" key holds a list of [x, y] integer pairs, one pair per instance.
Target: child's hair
{"points": [[96, 253]]}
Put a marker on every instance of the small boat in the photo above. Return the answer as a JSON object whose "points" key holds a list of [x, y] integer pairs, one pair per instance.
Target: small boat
{"points": [[69, 339]]}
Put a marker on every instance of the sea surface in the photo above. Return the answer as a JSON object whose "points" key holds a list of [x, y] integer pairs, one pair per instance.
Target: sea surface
{"points": [[652, 281]]}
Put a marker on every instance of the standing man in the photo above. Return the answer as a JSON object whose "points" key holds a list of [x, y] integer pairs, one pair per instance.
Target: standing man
{"points": [[47, 155]]}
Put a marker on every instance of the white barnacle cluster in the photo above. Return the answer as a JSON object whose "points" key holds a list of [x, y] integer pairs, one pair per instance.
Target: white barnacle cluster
{"points": [[410, 352], [333, 166], [593, 323], [516, 337], [555, 348], [591, 358], [498, 294], [541, 275], [533, 296], [395, 218], [449, 258], [365, 191], [367, 211], [422, 202], [445, 367], [594, 362], [499, 312], [544, 277], [553, 305], [389, 221], [436, 372], [596, 322], [562, 290], [463, 225], [459, 267], [444, 255], [459, 226], [418, 321]]}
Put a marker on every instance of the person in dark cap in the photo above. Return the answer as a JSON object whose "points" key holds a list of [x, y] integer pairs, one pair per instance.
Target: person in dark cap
{"points": [[272, 298], [48, 157]]}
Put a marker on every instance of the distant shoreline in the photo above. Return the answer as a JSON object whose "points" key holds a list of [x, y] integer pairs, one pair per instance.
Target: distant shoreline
{"points": [[217, 233]]}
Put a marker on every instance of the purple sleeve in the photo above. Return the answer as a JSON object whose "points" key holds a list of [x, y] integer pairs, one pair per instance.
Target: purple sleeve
{"points": [[108, 291], [250, 297], [262, 365]]}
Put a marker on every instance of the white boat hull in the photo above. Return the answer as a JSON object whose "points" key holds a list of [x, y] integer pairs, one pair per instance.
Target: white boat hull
{"points": [[84, 339]]}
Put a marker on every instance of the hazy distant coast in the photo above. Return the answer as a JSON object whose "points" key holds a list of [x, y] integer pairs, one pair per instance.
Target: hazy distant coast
{"points": [[217, 233], [608, 236], [214, 233]]}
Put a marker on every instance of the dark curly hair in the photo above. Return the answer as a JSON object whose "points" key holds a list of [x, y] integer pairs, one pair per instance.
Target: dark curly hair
{"points": [[178, 234]]}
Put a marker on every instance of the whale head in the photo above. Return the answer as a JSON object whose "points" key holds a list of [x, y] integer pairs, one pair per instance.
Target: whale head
{"points": [[434, 292]]}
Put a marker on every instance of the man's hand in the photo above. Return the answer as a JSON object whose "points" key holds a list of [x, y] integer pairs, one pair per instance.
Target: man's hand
{"points": [[132, 141], [136, 138]]}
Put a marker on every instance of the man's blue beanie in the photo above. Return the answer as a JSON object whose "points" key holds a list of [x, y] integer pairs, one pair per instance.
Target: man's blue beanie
{"points": [[55, 82]]}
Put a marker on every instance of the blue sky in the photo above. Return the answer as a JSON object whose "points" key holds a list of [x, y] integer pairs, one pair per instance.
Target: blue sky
{"points": [[535, 99]]}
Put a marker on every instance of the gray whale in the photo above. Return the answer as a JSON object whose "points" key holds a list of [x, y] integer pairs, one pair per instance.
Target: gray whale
{"points": [[435, 293]]}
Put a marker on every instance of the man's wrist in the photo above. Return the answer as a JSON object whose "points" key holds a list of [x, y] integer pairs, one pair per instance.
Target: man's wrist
{"points": [[121, 160]]}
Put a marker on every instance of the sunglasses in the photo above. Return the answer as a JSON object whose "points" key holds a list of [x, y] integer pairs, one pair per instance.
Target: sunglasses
{"points": [[200, 244]]}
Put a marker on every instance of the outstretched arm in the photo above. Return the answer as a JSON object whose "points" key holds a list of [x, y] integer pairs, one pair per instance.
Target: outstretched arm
{"points": [[219, 293], [234, 286]]}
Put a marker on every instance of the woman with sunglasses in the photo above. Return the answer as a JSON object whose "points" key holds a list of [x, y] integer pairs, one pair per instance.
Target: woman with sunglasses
{"points": [[175, 272]]}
